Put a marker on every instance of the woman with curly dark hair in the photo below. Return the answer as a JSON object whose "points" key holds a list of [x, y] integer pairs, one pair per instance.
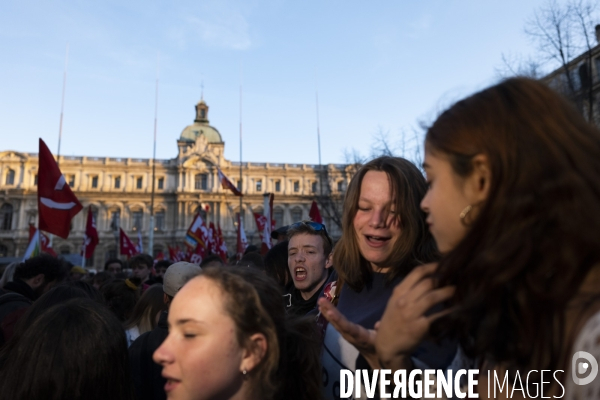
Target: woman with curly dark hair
{"points": [[513, 204]]}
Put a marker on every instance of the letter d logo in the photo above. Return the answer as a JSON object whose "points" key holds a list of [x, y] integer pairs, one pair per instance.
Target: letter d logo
{"points": [[580, 367]]}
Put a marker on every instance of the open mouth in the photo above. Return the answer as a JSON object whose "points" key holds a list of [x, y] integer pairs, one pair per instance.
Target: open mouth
{"points": [[377, 241], [300, 273], [171, 384]]}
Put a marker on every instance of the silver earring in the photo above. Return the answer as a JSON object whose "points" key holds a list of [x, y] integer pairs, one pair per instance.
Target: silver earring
{"points": [[464, 212], [244, 371]]}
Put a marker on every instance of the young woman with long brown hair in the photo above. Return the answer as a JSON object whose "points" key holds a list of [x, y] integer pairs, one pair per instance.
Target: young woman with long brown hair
{"points": [[230, 338], [384, 237], [514, 206]]}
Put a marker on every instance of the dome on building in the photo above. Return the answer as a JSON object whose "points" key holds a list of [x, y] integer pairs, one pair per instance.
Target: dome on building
{"points": [[201, 127]]}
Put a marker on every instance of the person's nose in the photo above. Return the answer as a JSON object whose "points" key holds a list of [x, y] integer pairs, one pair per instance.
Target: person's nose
{"points": [[299, 256], [164, 354], [425, 203], [377, 218]]}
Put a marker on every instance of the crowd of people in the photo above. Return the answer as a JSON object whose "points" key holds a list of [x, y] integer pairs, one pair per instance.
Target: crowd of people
{"points": [[489, 260]]}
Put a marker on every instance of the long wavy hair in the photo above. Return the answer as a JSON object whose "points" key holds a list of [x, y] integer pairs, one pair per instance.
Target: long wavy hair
{"points": [[536, 237], [291, 366], [415, 245]]}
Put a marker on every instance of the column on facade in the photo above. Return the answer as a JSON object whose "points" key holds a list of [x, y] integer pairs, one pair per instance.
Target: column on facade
{"points": [[21, 175], [18, 223]]}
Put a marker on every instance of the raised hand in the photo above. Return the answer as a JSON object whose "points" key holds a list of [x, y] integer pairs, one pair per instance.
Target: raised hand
{"points": [[358, 336], [404, 324]]}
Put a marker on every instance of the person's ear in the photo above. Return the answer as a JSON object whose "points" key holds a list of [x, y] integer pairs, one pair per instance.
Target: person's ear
{"points": [[329, 260], [254, 352], [479, 182]]}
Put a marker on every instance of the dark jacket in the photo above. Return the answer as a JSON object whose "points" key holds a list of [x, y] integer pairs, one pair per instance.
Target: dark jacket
{"points": [[15, 299], [147, 379], [295, 303]]}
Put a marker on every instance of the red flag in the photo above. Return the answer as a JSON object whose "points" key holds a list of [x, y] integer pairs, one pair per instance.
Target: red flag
{"points": [[45, 245], [221, 247], [198, 255], [227, 184], [90, 239], [127, 247], [242, 242], [314, 213], [159, 257], [57, 204], [173, 256]]}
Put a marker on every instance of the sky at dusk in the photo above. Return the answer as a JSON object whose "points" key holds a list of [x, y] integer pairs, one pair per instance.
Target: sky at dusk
{"points": [[383, 66]]}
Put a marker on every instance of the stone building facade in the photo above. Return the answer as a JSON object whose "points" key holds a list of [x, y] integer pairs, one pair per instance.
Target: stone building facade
{"points": [[119, 191]]}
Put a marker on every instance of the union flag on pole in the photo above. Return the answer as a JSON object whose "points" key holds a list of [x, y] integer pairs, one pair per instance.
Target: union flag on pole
{"points": [[127, 247], [197, 233], [227, 184], [57, 204], [90, 239]]}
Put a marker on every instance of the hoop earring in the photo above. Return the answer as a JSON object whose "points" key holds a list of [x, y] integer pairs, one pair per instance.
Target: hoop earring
{"points": [[465, 212]]}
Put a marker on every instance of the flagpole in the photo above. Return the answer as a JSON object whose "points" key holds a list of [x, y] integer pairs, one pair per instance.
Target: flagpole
{"points": [[83, 254], [62, 108], [241, 181], [151, 234], [319, 137], [62, 105]]}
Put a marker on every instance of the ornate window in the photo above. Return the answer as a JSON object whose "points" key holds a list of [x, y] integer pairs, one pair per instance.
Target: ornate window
{"points": [[10, 177], [278, 185], [6, 213], [136, 220], [259, 185], [117, 182], [296, 214], [161, 183], [95, 182], [340, 186], [159, 220], [278, 217], [115, 219], [313, 186], [139, 182], [201, 181]]}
